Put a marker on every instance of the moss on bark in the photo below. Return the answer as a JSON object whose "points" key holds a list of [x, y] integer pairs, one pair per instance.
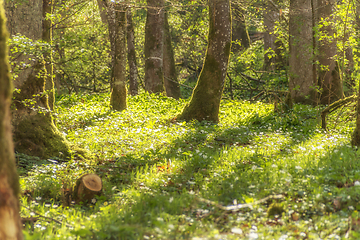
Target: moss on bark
{"points": [[10, 224], [118, 93], [205, 100], [34, 131]]}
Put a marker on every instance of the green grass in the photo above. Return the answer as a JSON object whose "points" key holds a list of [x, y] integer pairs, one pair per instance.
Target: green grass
{"points": [[172, 180]]}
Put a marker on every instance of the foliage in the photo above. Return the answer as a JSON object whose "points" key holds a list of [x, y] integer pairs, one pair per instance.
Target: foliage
{"points": [[157, 172]]}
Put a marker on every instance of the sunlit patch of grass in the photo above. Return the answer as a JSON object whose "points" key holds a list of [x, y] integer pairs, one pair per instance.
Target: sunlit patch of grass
{"points": [[157, 172]]}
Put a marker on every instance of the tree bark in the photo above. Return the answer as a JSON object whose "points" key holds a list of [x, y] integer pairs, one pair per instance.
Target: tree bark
{"points": [[118, 94], [329, 78], [10, 223], [239, 30], [355, 141], [272, 59], [205, 100], [47, 37], [154, 42], [133, 70], [26, 19], [102, 11], [170, 76], [301, 74]]}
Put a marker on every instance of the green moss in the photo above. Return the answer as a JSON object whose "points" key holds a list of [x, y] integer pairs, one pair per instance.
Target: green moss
{"points": [[118, 98], [275, 209]]}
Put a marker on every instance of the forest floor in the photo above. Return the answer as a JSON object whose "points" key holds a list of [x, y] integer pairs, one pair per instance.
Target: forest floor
{"points": [[255, 175]]}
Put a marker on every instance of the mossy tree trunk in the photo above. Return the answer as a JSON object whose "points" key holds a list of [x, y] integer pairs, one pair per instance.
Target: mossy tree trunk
{"points": [[355, 141], [329, 78], [205, 100], [170, 76], [118, 93], [239, 29], [10, 224], [133, 70], [302, 82], [47, 37], [154, 42], [34, 129]]}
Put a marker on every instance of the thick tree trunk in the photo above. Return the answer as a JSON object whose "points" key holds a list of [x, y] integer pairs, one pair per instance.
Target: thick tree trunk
{"points": [[118, 94], [10, 224], [329, 78], [355, 141], [240, 33], [301, 81], [205, 100], [154, 42], [34, 130], [170, 76], [47, 37], [133, 70], [26, 19]]}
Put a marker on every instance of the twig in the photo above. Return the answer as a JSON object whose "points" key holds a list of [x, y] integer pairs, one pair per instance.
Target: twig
{"points": [[237, 207], [178, 83], [42, 216]]}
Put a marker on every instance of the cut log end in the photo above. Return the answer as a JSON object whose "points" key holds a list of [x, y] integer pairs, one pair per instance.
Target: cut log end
{"points": [[87, 187]]}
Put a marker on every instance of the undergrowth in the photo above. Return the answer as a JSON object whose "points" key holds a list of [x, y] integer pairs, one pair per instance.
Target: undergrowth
{"points": [[255, 175]]}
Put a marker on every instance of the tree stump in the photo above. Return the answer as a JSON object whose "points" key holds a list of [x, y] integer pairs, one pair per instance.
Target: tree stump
{"points": [[86, 188]]}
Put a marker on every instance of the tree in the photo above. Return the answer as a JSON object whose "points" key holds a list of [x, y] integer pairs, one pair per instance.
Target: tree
{"points": [[302, 77], [133, 71], [47, 37], [10, 224], [272, 45], [154, 42], [205, 100], [34, 131], [239, 29], [355, 141], [118, 93], [170, 76], [329, 78]]}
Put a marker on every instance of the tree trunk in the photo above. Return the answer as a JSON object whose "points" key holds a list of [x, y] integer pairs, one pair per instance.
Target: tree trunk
{"points": [[272, 58], [170, 76], [154, 42], [329, 78], [355, 141], [205, 100], [26, 19], [10, 224], [301, 81], [133, 70], [118, 94], [111, 19], [240, 33], [47, 37], [34, 130], [103, 11]]}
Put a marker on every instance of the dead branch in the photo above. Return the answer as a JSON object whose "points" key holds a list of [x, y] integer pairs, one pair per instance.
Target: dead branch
{"points": [[334, 106], [234, 208]]}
